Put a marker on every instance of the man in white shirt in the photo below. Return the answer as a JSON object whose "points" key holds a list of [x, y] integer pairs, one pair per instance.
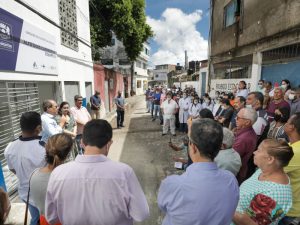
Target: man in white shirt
{"points": [[82, 116], [169, 109], [93, 189], [255, 100], [49, 124], [184, 105], [26, 154]]}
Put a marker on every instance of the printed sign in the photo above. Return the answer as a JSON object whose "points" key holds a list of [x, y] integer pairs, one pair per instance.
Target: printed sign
{"points": [[160, 76], [228, 85], [24, 47]]}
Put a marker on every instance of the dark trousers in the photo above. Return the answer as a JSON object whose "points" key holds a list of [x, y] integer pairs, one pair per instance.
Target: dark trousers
{"points": [[120, 118], [152, 108], [183, 127]]}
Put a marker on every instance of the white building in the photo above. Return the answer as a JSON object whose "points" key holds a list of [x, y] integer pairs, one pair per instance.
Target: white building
{"points": [[140, 80], [41, 61]]}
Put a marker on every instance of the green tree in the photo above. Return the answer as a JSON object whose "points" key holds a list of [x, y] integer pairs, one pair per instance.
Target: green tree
{"points": [[126, 18]]}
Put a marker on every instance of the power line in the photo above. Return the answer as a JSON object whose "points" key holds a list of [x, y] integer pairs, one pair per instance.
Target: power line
{"points": [[52, 22]]}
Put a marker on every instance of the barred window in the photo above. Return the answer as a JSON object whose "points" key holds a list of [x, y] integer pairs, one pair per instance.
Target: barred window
{"points": [[68, 20]]}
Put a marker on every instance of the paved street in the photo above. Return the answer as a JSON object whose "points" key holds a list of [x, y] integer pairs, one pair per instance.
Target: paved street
{"points": [[141, 145]]}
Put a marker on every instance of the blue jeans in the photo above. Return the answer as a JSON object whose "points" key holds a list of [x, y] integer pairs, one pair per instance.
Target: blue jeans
{"points": [[78, 143], [156, 110], [286, 220], [34, 213]]}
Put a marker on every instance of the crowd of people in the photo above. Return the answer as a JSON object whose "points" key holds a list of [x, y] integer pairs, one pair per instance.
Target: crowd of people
{"points": [[242, 162], [256, 129], [49, 140]]}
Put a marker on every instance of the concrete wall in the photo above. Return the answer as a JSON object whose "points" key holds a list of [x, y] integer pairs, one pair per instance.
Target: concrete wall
{"points": [[260, 19], [72, 65]]}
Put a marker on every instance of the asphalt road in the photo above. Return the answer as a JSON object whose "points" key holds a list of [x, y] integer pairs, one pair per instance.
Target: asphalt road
{"points": [[141, 145]]}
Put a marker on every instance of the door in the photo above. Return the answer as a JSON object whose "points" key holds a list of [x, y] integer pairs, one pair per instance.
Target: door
{"points": [[88, 92], [71, 89], [106, 91]]}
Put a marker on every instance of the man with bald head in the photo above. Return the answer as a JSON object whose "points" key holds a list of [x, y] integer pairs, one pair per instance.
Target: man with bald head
{"points": [[49, 125], [278, 102], [245, 139]]}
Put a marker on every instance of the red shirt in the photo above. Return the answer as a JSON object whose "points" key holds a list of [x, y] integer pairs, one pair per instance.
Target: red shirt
{"points": [[245, 144]]}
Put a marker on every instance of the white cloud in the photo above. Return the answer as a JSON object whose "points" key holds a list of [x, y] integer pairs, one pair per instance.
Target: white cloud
{"points": [[175, 32]]}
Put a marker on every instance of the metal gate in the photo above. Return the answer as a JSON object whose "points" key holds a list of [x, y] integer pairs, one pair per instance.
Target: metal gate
{"points": [[15, 98]]}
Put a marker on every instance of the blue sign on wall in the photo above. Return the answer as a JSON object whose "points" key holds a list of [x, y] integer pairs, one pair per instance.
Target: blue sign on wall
{"points": [[278, 72]]}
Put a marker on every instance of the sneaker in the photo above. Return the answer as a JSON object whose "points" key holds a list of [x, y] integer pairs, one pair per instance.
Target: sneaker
{"points": [[174, 135], [163, 134], [153, 119], [122, 125]]}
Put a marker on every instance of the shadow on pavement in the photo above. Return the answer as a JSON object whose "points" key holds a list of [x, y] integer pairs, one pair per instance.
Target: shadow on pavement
{"points": [[148, 153]]}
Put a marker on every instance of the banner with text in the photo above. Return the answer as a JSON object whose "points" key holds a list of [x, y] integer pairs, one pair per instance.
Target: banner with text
{"points": [[228, 85], [24, 47]]}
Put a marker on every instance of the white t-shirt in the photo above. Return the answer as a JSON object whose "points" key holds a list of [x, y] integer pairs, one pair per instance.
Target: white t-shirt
{"points": [[24, 155], [169, 108], [242, 92]]}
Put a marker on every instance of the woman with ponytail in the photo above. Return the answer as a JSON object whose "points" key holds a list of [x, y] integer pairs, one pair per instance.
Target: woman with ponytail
{"points": [[57, 148]]}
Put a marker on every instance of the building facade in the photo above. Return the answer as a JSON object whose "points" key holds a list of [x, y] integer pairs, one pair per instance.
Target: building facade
{"points": [[114, 57], [254, 40], [45, 54]]}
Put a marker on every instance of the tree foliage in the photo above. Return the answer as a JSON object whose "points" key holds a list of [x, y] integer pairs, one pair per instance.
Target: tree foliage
{"points": [[126, 18]]}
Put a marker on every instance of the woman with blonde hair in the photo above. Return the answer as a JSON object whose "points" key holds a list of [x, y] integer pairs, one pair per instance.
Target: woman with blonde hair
{"points": [[58, 148]]}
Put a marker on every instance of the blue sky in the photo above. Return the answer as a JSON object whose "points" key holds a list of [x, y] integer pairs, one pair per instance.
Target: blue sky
{"points": [[189, 14]]}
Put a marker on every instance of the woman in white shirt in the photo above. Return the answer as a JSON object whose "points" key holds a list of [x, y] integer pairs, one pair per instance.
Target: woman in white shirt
{"points": [[242, 89], [195, 108], [208, 104]]}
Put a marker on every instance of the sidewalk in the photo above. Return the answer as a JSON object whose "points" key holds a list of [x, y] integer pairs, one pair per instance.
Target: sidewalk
{"points": [[17, 212]]}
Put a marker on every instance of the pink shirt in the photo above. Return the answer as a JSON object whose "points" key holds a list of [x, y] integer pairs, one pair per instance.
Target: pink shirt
{"points": [[81, 116], [95, 190]]}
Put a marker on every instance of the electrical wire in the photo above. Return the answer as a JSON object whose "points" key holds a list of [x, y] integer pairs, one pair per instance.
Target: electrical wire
{"points": [[52, 22]]}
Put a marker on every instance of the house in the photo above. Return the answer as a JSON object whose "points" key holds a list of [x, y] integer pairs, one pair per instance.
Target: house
{"points": [[253, 40]]}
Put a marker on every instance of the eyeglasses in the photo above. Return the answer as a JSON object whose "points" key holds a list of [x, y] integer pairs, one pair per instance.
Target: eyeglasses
{"points": [[239, 118]]}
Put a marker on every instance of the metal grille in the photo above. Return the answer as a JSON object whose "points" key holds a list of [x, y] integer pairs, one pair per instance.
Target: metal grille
{"points": [[15, 98], [282, 53]]}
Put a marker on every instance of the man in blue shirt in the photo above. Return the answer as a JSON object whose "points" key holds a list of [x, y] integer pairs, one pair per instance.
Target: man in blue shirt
{"points": [[120, 103], [204, 194], [95, 101], [156, 101]]}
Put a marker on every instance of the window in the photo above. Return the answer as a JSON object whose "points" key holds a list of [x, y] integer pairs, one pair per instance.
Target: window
{"points": [[138, 84], [232, 12], [138, 64], [144, 66], [147, 52], [68, 20]]}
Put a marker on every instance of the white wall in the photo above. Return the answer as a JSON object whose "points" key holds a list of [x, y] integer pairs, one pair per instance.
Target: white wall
{"points": [[72, 65]]}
